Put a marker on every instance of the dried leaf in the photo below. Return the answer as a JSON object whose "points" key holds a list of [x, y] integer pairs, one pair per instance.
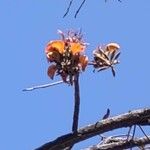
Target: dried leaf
{"points": [[51, 71], [112, 47], [100, 57], [53, 56], [104, 55]]}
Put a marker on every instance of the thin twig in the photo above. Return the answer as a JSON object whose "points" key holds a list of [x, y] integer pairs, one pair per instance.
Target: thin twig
{"points": [[42, 86], [107, 114], [70, 3], [144, 132], [79, 8], [132, 138], [118, 0], [128, 135], [134, 129], [67, 11]]}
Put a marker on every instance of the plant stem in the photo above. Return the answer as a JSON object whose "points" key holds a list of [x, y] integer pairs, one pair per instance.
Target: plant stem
{"points": [[76, 107], [76, 104]]}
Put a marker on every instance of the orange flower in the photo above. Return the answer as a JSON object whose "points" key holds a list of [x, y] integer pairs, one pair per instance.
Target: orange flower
{"points": [[59, 46], [66, 54]]}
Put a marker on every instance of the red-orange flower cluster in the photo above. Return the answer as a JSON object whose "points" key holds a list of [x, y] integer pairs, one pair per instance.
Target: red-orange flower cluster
{"points": [[66, 56]]}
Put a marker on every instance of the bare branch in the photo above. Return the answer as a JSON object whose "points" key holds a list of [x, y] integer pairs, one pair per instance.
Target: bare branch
{"points": [[128, 135], [68, 8], [136, 117], [79, 8], [42, 86], [70, 3], [118, 0], [67, 11], [120, 143], [144, 133], [134, 129]]}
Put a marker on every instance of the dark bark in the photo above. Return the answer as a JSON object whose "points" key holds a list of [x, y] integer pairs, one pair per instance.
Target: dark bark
{"points": [[136, 117]]}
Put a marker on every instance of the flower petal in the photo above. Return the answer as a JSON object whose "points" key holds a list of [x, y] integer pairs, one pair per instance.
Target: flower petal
{"points": [[83, 61], [57, 45], [77, 47], [53, 56], [111, 47], [51, 71]]}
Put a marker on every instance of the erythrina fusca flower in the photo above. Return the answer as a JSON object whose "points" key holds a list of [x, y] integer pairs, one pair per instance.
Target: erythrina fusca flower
{"points": [[66, 56], [106, 57]]}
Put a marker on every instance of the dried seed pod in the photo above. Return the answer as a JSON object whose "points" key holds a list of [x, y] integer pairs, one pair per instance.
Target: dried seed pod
{"points": [[106, 57]]}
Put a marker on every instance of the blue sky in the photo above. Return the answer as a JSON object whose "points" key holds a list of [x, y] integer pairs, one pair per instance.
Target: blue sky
{"points": [[29, 119]]}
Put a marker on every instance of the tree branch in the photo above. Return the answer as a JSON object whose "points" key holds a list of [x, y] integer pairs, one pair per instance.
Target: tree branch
{"points": [[68, 8], [135, 117], [75, 16], [67, 11], [121, 143]]}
